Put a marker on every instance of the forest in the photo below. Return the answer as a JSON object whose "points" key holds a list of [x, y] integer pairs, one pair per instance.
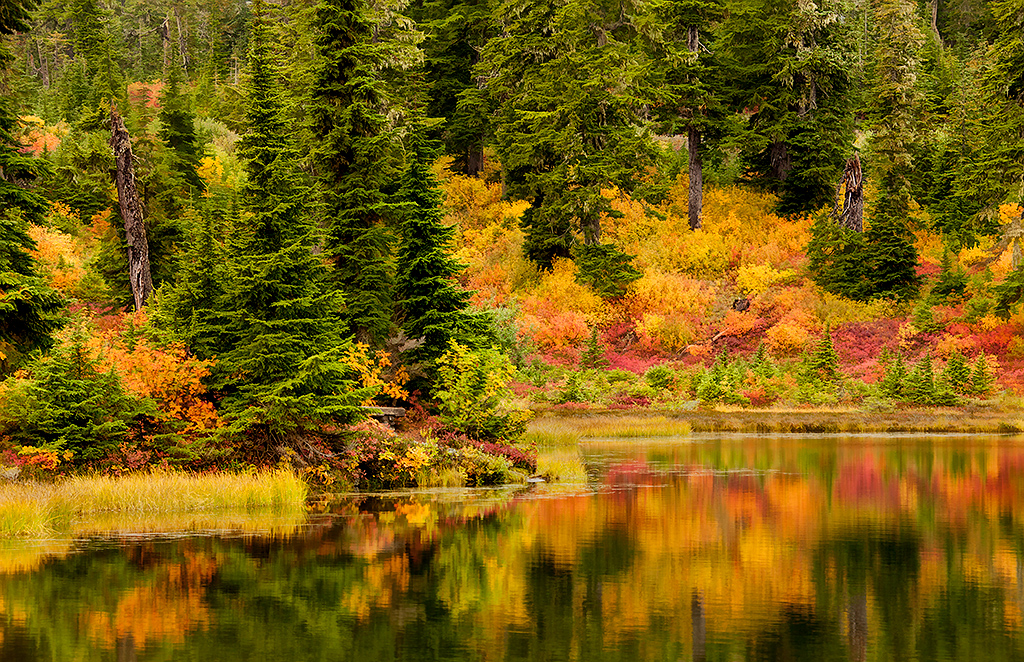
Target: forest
{"points": [[229, 228]]}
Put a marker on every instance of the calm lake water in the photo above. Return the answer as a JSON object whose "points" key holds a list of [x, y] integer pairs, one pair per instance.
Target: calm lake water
{"points": [[737, 548]]}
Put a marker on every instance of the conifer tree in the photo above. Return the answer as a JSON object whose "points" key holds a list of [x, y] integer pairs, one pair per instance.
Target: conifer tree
{"points": [[571, 83], [892, 384], [919, 385], [354, 165], [982, 379], [957, 373], [28, 306], [823, 364], [281, 335], [891, 251], [178, 132], [431, 304], [791, 63]]}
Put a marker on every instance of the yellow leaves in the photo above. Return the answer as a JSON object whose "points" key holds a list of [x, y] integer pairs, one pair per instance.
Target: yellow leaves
{"points": [[757, 278], [211, 170], [787, 338], [374, 371]]}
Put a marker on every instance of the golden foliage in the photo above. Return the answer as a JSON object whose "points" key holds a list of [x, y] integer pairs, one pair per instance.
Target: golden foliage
{"points": [[375, 370]]}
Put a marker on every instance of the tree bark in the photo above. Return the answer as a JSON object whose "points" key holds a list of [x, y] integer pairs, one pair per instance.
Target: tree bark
{"points": [[131, 211], [853, 200], [693, 141]]}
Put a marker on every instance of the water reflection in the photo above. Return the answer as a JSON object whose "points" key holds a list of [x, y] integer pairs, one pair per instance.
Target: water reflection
{"points": [[708, 549]]}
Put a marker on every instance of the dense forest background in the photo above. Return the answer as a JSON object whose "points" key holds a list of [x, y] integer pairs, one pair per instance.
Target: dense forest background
{"points": [[393, 202]]}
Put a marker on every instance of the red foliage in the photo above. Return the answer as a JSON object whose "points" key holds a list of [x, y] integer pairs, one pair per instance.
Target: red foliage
{"points": [[861, 342], [626, 401], [996, 341]]}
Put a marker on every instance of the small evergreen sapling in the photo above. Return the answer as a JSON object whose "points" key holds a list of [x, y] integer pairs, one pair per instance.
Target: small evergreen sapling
{"points": [[957, 373], [982, 379]]}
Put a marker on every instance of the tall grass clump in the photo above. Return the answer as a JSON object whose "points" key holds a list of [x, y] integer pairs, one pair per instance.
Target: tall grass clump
{"points": [[561, 464], [28, 509], [546, 430]]}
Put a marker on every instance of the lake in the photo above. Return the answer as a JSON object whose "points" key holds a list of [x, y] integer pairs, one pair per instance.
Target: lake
{"points": [[705, 548]]}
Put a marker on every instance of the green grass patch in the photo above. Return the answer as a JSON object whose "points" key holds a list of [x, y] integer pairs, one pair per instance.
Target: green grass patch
{"points": [[567, 431]]}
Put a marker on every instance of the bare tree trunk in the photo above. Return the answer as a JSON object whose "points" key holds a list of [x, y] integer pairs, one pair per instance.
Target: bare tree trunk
{"points": [[853, 200], [44, 65], [181, 42], [165, 37], [693, 142], [935, 20], [131, 212], [696, 203]]}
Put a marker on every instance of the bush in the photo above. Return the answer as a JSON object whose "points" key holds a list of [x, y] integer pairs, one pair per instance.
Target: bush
{"points": [[472, 393]]}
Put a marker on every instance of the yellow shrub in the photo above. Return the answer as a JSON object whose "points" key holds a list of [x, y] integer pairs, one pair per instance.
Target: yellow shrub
{"points": [[667, 332], [756, 278], [787, 338]]}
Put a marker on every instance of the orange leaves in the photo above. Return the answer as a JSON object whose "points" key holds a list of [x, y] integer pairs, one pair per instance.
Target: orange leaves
{"points": [[170, 376], [37, 138], [559, 311], [375, 371]]}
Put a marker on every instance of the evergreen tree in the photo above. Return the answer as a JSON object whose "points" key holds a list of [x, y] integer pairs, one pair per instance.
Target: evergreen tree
{"points": [[982, 379], [354, 164], [892, 384], [891, 251], [957, 373], [456, 32], [178, 132], [695, 83], [571, 83], [431, 304], [762, 364], [823, 363], [791, 64], [69, 404], [28, 306], [281, 337], [919, 385], [836, 259]]}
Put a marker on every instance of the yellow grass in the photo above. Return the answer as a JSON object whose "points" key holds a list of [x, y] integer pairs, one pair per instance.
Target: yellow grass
{"points": [[561, 464], [35, 509], [566, 431]]}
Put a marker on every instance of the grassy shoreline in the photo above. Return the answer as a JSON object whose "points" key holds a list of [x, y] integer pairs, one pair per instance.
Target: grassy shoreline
{"points": [[610, 423], [39, 509]]}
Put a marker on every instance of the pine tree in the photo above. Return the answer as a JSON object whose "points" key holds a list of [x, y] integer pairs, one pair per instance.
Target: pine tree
{"points": [[432, 305], [354, 159], [280, 367]]}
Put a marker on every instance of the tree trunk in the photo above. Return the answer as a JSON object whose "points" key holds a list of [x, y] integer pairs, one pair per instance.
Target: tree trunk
{"points": [[696, 204], [181, 42], [131, 211], [853, 200], [693, 141], [165, 37]]}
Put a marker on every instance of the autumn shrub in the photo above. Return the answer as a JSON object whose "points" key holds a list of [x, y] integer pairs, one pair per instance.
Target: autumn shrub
{"points": [[473, 394], [670, 309]]}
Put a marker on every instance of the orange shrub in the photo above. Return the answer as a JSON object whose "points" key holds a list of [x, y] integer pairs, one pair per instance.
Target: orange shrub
{"points": [[559, 312]]}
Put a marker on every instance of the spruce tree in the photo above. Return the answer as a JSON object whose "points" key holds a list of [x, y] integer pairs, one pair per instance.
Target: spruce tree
{"points": [[982, 379], [919, 385], [892, 384], [823, 364], [432, 305], [354, 156], [281, 334]]}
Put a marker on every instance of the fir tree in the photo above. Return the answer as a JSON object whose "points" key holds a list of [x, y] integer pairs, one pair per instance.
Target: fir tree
{"points": [[593, 355], [280, 367], [354, 164], [836, 259], [564, 131], [892, 384], [28, 306], [823, 363], [919, 385], [762, 364], [178, 132], [957, 373], [431, 304], [982, 379]]}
